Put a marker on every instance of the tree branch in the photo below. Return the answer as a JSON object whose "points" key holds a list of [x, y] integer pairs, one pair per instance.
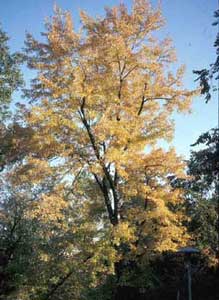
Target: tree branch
{"points": [[142, 100], [106, 172]]}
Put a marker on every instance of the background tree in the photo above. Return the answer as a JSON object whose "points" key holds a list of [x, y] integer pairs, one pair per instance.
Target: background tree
{"points": [[10, 75], [10, 80], [208, 79], [202, 192], [208, 75], [12, 224]]}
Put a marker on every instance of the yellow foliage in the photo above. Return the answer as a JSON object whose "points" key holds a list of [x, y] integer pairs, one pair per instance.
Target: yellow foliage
{"points": [[123, 233], [105, 101], [49, 208]]}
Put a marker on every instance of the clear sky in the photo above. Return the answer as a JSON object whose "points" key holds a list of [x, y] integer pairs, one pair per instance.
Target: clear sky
{"points": [[188, 23]]}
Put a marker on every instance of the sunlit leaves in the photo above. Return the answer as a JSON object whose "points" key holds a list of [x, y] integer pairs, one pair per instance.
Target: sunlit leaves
{"points": [[103, 101]]}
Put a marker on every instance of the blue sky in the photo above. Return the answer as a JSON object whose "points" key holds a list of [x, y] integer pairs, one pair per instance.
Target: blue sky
{"points": [[188, 23]]}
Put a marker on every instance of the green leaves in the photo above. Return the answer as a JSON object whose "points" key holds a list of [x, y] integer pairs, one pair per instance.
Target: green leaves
{"points": [[10, 75]]}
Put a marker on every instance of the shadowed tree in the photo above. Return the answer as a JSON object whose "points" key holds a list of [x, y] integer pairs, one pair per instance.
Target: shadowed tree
{"points": [[10, 75], [208, 79]]}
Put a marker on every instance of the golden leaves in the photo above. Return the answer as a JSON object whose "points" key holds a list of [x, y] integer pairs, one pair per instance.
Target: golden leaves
{"points": [[49, 209], [109, 96], [123, 233], [33, 172]]}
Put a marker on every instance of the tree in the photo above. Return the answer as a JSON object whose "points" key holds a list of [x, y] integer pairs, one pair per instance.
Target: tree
{"points": [[201, 193], [211, 175], [204, 162], [203, 167], [104, 100], [10, 75], [13, 227], [65, 245], [10, 80], [208, 75]]}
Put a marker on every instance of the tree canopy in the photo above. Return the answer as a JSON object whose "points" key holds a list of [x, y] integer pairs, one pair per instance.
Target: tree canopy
{"points": [[10, 75], [88, 199]]}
